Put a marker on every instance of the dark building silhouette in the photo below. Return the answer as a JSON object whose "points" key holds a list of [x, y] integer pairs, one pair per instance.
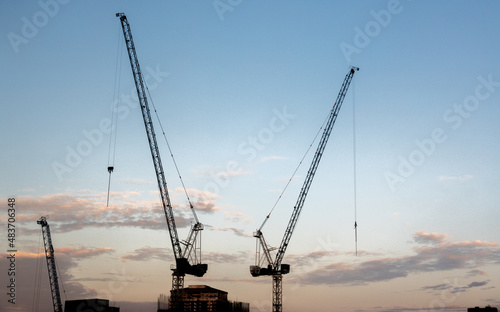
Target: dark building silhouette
{"points": [[202, 298], [89, 305], [485, 309]]}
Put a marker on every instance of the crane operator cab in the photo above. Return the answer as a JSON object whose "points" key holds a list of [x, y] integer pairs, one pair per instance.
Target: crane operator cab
{"points": [[255, 270]]}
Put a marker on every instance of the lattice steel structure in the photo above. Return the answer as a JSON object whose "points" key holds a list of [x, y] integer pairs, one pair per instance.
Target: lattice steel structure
{"points": [[51, 265], [263, 254]]}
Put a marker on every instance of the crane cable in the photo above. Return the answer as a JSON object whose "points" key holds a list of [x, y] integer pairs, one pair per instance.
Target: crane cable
{"points": [[38, 278], [354, 166], [171, 154], [296, 169], [59, 275], [354, 171], [114, 116]]}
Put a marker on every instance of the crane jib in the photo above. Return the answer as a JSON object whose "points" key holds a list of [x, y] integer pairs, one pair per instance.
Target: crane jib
{"points": [[276, 269], [182, 259], [141, 93], [312, 170]]}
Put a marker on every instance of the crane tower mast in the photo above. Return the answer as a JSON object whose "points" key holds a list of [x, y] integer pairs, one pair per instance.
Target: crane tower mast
{"points": [[51, 265], [275, 268]]}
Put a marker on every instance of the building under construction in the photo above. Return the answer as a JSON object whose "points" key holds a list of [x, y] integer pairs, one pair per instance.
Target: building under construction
{"points": [[204, 299]]}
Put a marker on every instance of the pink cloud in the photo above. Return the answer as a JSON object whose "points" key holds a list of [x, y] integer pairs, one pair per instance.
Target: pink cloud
{"points": [[440, 256], [70, 213]]}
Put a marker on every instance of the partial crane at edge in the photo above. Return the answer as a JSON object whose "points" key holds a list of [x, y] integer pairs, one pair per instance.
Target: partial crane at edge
{"points": [[51, 265]]}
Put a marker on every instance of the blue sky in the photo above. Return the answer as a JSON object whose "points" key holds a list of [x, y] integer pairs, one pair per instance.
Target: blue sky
{"points": [[241, 88]]}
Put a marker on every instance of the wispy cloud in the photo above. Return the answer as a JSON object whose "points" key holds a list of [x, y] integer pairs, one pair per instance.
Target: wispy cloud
{"points": [[72, 212], [165, 254], [82, 252], [452, 287], [149, 253], [306, 260], [217, 257], [429, 238], [235, 216], [476, 273], [436, 255], [238, 232]]}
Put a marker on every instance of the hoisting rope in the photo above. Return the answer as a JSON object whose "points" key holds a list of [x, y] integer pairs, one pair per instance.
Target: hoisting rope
{"points": [[38, 278], [354, 165], [114, 115], [354, 171], [60, 279], [171, 154], [296, 169]]}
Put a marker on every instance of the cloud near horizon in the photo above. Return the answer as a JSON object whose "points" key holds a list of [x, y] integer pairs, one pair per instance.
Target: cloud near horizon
{"points": [[203, 201], [165, 254], [237, 232], [453, 287], [433, 254]]}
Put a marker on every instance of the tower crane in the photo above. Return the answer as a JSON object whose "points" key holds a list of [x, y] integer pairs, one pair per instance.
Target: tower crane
{"points": [[263, 254], [192, 250], [51, 265]]}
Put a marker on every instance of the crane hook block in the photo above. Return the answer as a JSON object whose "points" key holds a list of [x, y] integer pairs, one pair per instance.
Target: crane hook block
{"points": [[110, 169]]}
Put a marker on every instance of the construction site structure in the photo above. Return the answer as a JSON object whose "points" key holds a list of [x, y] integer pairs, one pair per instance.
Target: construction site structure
{"points": [[203, 298], [187, 261], [51, 265], [263, 253], [485, 309]]}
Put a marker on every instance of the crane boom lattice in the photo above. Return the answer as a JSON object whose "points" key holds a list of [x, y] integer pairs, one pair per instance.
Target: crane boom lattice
{"points": [[275, 268]]}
